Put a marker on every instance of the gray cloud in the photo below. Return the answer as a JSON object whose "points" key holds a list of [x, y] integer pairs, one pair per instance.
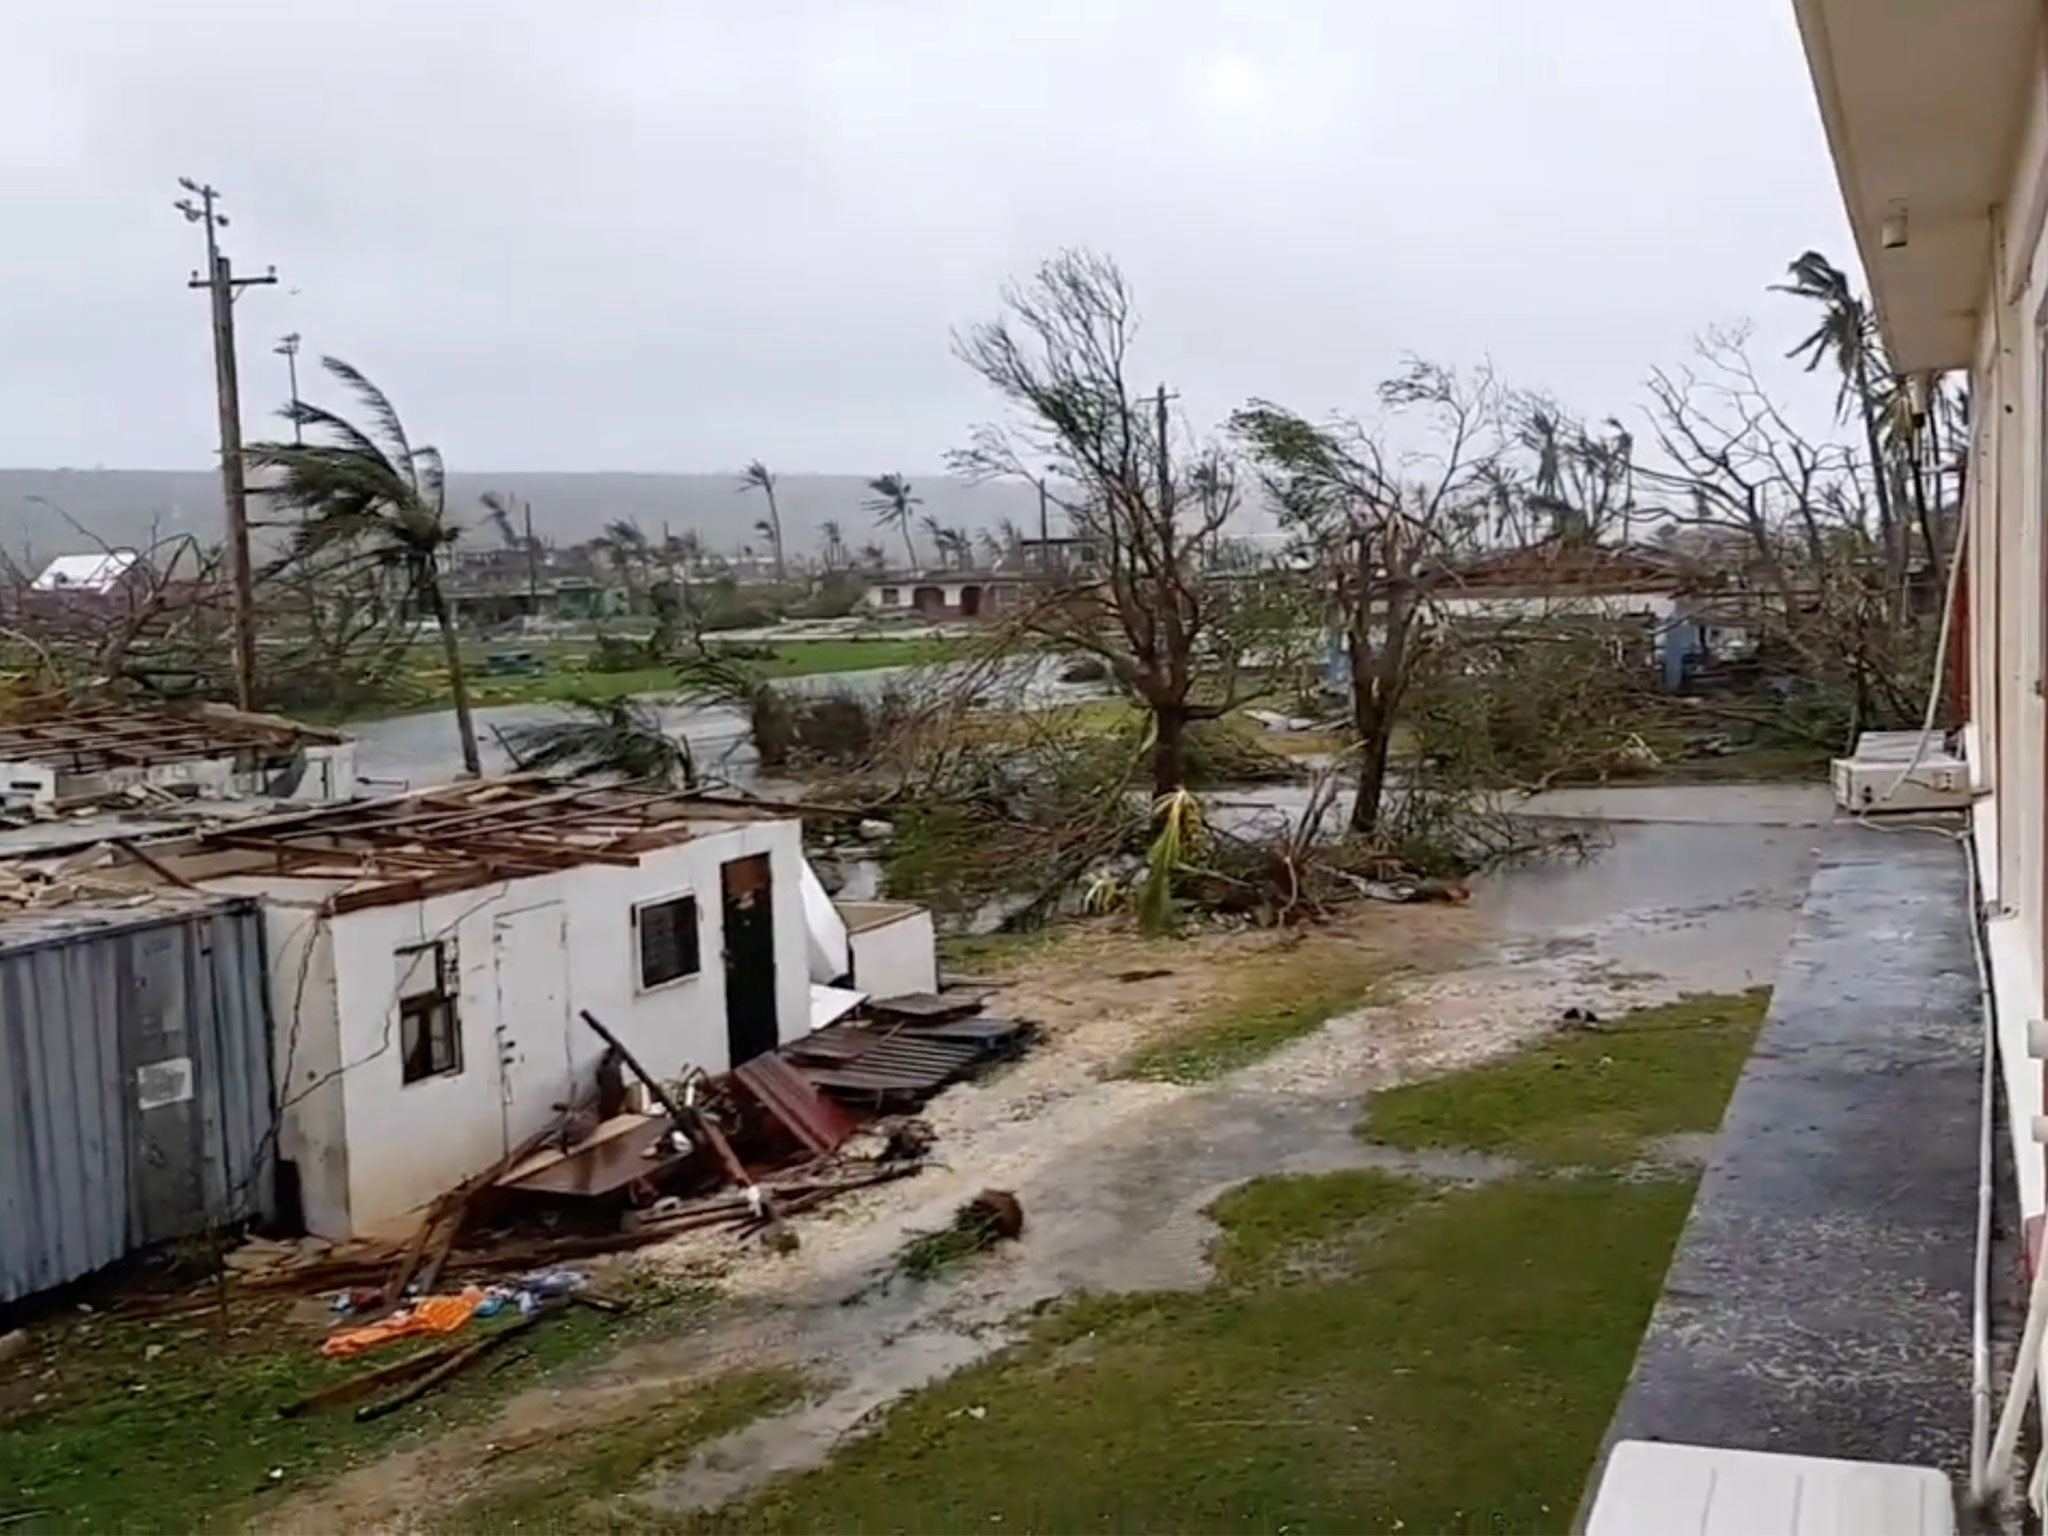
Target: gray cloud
{"points": [[653, 236]]}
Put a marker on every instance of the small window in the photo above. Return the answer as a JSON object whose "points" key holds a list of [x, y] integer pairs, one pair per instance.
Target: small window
{"points": [[891, 596], [429, 1033], [668, 940]]}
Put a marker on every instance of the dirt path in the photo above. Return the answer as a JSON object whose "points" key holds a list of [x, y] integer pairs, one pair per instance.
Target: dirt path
{"points": [[1114, 1174]]}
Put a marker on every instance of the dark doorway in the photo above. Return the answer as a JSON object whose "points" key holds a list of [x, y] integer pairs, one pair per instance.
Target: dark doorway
{"points": [[750, 1028], [929, 601], [970, 602]]}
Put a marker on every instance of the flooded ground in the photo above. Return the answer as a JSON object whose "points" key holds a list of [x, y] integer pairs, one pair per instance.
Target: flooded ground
{"points": [[1114, 1174]]}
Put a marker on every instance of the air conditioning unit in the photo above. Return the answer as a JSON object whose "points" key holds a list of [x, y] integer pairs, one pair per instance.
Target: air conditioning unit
{"points": [[1885, 776]]}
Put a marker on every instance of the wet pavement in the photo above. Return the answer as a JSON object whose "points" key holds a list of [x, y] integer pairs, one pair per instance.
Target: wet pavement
{"points": [[1819, 1302]]}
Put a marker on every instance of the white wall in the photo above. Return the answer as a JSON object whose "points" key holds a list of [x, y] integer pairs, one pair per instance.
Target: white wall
{"points": [[306, 1060], [2008, 732], [372, 1148], [895, 951]]}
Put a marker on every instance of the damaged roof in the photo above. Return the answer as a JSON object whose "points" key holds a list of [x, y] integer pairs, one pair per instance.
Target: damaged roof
{"points": [[455, 837], [98, 738]]}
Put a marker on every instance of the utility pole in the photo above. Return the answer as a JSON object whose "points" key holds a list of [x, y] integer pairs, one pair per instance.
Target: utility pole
{"points": [[1165, 466], [288, 348], [221, 285], [532, 566]]}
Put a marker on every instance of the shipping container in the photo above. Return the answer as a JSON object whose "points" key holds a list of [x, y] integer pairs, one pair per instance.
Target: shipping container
{"points": [[135, 1083]]}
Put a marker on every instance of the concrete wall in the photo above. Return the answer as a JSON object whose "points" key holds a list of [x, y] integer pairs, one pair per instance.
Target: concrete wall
{"points": [[894, 947], [943, 597], [330, 774], [306, 1060], [528, 955]]}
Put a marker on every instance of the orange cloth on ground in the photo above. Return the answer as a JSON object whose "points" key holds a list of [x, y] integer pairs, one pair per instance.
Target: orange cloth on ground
{"points": [[430, 1314]]}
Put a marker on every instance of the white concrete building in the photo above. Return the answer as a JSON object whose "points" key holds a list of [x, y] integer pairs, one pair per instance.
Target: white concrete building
{"points": [[942, 594], [99, 573], [430, 957], [1937, 117]]}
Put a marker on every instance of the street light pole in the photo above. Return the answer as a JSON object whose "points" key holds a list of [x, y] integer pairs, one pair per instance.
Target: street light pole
{"points": [[221, 285], [288, 348]]}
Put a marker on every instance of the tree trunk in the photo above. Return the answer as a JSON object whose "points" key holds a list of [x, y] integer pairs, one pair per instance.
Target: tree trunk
{"points": [[1891, 531], [1377, 683], [458, 685], [1169, 747], [775, 532], [1374, 746], [909, 548]]}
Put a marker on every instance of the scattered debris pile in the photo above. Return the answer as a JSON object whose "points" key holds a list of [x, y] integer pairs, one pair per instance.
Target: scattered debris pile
{"points": [[634, 1162], [906, 1049]]}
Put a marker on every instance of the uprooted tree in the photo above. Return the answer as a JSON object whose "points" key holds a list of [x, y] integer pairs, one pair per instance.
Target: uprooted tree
{"points": [[1185, 621]]}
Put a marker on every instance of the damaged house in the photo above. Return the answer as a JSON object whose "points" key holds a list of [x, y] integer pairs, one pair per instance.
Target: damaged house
{"points": [[56, 759], [430, 957]]}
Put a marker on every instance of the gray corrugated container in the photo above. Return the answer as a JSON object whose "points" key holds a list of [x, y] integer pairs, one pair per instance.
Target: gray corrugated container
{"points": [[135, 1100]]}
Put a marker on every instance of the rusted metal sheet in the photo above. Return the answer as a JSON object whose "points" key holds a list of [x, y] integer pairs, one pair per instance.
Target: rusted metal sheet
{"points": [[857, 1059], [135, 1090], [781, 1089], [928, 1007], [623, 1150]]}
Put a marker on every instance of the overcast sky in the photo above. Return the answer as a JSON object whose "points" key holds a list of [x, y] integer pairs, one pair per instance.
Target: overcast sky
{"points": [[676, 234]]}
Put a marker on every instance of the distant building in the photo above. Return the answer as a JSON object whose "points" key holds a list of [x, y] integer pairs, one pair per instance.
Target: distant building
{"points": [[100, 574], [943, 594]]}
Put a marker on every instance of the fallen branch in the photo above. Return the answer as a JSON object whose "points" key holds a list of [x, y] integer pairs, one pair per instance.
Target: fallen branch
{"points": [[335, 1393], [453, 1366]]}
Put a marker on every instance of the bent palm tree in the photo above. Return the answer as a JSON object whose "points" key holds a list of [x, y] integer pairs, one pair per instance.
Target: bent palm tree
{"points": [[835, 544], [894, 507], [372, 489], [1847, 336], [756, 477]]}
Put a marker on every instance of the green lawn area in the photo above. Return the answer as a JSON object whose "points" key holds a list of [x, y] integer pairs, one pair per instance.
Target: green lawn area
{"points": [[1278, 998], [1376, 1353], [1589, 1098], [566, 678], [188, 1440]]}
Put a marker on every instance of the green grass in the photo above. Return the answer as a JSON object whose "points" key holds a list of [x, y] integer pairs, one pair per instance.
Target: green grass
{"points": [[1376, 1353], [1280, 999], [974, 953], [1447, 1368], [566, 678], [1590, 1099], [1278, 1220], [188, 1440], [583, 1481]]}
